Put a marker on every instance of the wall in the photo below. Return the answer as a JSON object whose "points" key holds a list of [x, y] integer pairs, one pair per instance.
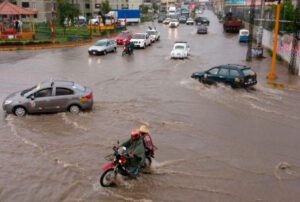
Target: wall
{"points": [[284, 45]]}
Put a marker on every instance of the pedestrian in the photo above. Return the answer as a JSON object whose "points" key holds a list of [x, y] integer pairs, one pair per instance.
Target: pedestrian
{"points": [[17, 25]]}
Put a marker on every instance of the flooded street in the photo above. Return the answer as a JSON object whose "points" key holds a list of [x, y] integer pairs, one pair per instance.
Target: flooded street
{"points": [[214, 143]]}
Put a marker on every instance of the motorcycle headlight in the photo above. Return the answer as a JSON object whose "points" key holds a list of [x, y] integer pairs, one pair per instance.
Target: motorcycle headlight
{"points": [[7, 102]]}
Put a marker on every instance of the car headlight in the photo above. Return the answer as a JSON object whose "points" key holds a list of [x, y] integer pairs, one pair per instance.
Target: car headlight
{"points": [[7, 102]]}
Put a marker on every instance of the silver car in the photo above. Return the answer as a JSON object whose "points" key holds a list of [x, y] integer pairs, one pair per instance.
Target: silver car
{"points": [[103, 47], [53, 96]]}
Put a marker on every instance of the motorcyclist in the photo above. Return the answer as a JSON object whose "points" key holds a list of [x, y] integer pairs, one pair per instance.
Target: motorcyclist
{"points": [[129, 47], [135, 149], [147, 140]]}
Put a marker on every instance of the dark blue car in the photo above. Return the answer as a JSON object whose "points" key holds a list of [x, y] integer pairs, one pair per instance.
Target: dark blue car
{"points": [[234, 75]]}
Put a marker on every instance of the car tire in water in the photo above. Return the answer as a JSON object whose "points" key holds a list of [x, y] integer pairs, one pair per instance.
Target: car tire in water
{"points": [[106, 179], [74, 109], [20, 111]]}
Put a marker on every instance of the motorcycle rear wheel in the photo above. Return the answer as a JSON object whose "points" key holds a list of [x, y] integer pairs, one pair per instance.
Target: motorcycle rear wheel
{"points": [[107, 178], [148, 162]]}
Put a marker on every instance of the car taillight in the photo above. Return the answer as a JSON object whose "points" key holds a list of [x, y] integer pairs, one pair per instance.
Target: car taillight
{"points": [[89, 96]]}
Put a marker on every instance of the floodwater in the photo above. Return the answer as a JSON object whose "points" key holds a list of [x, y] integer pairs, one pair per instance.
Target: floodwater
{"points": [[214, 143]]}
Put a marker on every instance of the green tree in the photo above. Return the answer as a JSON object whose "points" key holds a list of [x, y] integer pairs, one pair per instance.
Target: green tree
{"points": [[67, 12], [105, 7], [288, 12], [143, 9]]}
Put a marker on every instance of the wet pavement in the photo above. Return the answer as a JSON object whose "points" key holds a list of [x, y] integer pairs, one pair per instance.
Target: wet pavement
{"points": [[214, 143]]}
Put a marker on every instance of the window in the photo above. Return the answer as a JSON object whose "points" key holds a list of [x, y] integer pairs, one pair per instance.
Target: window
{"points": [[35, 15], [44, 93], [223, 72], [248, 72], [87, 5], [63, 91], [25, 4], [234, 72], [34, 5], [97, 5], [214, 71]]}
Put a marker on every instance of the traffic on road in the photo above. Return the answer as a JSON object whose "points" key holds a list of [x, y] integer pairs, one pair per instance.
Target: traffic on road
{"points": [[234, 140]]}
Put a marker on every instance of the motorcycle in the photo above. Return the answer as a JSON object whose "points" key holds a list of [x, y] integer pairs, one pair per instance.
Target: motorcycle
{"points": [[118, 166], [127, 50]]}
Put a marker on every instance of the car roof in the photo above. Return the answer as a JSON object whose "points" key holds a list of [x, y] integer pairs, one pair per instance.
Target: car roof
{"points": [[59, 83], [237, 66]]}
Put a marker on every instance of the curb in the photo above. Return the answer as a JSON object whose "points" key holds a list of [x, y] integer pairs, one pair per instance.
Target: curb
{"points": [[44, 47], [52, 46], [283, 86]]}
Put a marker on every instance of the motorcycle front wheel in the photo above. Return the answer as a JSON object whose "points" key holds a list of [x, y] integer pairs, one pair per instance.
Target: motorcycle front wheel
{"points": [[107, 178]]}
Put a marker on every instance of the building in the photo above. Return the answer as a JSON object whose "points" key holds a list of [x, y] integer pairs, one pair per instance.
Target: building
{"points": [[88, 8]]}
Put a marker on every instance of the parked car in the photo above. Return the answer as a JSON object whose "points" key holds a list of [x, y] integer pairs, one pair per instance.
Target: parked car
{"points": [[244, 35], [173, 23], [52, 96], [190, 21], [180, 50], [202, 20], [154, 35], [202, 29], [103, 47], [182, 19], [232, 74], [167, 21], [141, 40], [124, 37]]}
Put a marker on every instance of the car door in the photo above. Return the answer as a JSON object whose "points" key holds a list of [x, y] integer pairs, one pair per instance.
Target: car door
{"points": [[63, 97], [223, 74], [211, 75], [233, 75], [41, 101]]}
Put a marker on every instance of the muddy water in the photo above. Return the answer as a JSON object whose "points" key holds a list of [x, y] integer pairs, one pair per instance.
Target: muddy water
{"points": [[214, 143]]}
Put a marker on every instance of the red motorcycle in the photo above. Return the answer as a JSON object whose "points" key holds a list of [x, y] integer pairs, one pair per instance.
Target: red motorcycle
{"points": [[118, 166]]}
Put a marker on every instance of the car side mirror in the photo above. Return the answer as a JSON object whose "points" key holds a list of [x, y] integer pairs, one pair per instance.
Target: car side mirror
{"points": [[31, 97]]}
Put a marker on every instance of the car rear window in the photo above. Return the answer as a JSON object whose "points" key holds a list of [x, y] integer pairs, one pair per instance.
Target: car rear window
{"points": [[63, 91], [248, 72], [181, 47], [79, 87]]}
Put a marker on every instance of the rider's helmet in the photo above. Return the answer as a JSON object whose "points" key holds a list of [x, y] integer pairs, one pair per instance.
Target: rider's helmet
{"points": [[135, 135], [144, 129]]}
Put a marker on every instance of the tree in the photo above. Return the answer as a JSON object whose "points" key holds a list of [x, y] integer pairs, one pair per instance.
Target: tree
{"points": [[105, 7], [144, 9], [67, 12]]}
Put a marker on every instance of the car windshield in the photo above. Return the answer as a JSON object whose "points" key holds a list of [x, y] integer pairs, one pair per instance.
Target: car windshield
{"points": [[179, 47], [78, 86], [151, 32], [173, 20], [139, 36], [122, 35], [101, 43], [248, 72], [244, 33], [28, 90]]}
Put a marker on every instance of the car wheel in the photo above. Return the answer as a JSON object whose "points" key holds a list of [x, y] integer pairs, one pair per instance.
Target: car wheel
{"points": [[74, 109], [144, 46], [104, 52], [20, 111]]}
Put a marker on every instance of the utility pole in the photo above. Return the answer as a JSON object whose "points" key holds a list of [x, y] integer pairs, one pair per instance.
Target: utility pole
{"points": [[272, 74], [260, 28], [251, 24]]}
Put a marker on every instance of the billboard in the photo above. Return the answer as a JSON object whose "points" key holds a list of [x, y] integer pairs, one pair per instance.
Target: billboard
{"points": [[235, 2]]}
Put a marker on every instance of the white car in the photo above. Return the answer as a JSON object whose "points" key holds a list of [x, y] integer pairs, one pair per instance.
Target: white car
{"points": [[174, 23], [154, 35], [141, 40], [180, 50], [167, 21], [189, 21]]}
